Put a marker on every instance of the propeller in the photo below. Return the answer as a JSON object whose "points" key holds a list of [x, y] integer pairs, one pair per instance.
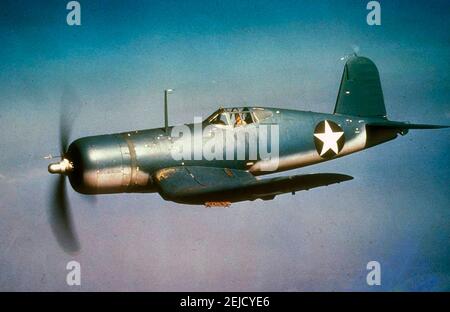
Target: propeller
{"points": [[59, 214]]}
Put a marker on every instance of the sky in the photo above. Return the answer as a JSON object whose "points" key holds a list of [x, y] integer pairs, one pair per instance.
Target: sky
{"points": [[223, 53]]}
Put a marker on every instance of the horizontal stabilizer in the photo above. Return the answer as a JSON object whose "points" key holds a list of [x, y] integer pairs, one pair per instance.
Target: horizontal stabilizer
{"points": [[199, 185], [404, 125]]}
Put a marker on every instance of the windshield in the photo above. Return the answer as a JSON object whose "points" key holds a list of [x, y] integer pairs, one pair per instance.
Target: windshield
{"points": [[235, 117]]}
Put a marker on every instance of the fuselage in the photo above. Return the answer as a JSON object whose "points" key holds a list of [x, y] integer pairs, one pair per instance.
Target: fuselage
{"points": [[127, 161]]}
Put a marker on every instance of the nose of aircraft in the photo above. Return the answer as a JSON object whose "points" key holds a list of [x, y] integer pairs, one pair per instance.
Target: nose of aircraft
{"points": [[99, 165]]}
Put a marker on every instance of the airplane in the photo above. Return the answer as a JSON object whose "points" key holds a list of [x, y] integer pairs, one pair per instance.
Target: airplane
{"points": [[143, 161]]}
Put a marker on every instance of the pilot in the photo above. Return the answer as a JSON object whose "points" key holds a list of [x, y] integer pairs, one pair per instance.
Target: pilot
{"points": [[239, 121]]}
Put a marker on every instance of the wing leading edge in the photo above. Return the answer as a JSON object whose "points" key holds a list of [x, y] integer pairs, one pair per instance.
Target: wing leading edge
{"points": [[201, 185]]}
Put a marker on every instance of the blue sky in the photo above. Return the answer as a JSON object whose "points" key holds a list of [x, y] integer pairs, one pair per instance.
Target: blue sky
{"points": [[283, 54]]}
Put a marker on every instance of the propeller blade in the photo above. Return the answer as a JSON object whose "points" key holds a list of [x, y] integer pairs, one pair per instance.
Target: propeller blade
{"points": [[69, 109], [64, 133], [61, 219]]}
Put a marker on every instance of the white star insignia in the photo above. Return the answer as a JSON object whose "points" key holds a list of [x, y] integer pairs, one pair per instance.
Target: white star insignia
{"points": [[329, 139]]}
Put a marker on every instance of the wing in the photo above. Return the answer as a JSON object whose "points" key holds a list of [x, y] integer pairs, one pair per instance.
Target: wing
{"points": [[202, 185]]}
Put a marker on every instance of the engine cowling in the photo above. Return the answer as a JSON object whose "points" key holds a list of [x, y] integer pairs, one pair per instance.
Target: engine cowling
{"points": [[106, 164]]}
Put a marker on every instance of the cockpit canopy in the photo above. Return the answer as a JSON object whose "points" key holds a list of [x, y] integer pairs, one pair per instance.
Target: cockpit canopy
{"points": [[238, 116]]}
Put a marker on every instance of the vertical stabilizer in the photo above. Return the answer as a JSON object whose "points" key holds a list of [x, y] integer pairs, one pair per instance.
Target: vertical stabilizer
{"points": [[360, 91]]}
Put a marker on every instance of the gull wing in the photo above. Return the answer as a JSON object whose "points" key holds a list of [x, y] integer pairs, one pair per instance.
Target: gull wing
{"points": [[202, 185]]}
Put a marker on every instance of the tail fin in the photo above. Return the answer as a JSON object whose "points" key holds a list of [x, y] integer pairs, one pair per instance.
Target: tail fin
{"points": [[360, 91]]}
